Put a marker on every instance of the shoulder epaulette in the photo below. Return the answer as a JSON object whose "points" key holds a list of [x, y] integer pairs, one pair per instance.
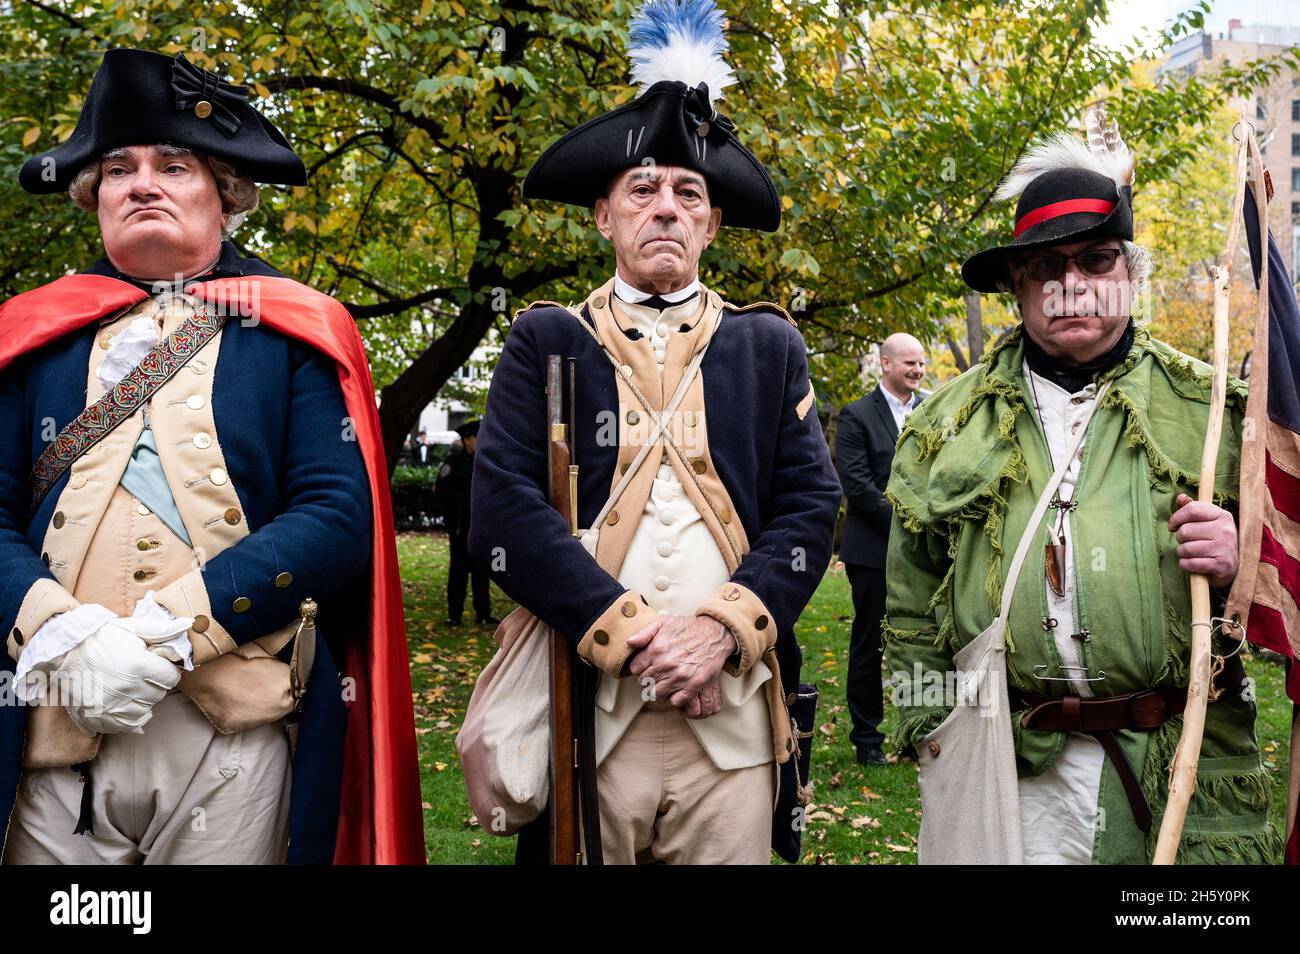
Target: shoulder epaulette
{"points": [[762, 306], [541, 304]]}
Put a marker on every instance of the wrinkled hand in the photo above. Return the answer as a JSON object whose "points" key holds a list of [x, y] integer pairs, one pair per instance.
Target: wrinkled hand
{"points": [[1207, 540], [115, 681], [684, 657]]}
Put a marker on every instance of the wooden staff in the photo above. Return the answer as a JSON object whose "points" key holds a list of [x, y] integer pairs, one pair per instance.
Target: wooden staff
{"points": [[1182, 771]]}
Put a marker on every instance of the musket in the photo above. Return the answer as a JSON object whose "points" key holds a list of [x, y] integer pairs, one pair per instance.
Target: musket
{"points": [[573, 811]]}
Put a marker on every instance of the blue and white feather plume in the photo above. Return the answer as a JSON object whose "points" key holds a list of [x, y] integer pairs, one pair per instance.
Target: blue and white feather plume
{"points": [[682, 41]]}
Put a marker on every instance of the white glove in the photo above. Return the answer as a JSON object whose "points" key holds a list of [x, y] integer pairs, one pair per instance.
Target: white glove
{"points": [[119, 680], [50, 644], [163, 633]]}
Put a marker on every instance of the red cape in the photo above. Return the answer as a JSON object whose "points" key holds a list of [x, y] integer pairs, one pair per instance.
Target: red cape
{"points": [[380, 819]]}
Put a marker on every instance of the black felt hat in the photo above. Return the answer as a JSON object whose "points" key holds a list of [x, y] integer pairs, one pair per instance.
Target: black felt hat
{"points": [[142, 98], [670, 124], [676, 49], [1059, 207], [468, 429]]}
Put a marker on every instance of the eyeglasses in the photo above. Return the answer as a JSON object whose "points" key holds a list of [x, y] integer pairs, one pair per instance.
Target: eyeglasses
{"points": [[1094, 261]]}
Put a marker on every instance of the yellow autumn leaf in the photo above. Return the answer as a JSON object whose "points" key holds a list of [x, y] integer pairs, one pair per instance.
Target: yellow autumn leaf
{"points": [[262, 91], [31, 136]]}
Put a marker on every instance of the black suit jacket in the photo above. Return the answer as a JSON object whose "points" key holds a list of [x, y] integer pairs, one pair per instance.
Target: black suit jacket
{"points": [[864, 451]]}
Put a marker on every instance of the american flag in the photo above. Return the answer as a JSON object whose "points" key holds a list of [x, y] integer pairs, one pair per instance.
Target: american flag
{"points": [[1267, 589]]}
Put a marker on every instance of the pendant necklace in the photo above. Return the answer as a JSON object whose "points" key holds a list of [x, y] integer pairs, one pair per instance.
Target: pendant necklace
{"points": [[1054, 549]]}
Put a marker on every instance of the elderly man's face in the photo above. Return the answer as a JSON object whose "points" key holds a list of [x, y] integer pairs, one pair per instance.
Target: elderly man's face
{"points": [[1075, 299], [660, 221], [160, 211]]}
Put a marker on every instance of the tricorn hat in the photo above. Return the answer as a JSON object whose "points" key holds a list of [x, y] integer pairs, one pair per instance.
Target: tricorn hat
{"points": [[141, 98], [468, 429], [1069, 191], [676, 50]]}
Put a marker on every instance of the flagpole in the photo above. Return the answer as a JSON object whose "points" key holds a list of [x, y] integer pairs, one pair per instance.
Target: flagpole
{"points": [[1182, 771]]}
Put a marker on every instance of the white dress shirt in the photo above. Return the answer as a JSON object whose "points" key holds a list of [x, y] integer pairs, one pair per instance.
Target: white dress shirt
{"points": [[899, 408]]}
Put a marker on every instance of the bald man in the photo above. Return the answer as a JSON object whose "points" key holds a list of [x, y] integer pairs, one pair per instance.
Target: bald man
{"points": [[864, 450]]}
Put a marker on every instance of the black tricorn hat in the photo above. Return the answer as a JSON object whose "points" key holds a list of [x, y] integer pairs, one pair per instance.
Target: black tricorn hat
{"points": [[140, 98], [670, 124], [1060, 207], [676, 48], [468, 429]]}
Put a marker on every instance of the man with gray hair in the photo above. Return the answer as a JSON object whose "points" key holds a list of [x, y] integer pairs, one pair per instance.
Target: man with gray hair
{"points": [[1097, 639], [864, 451], [189, 442]]}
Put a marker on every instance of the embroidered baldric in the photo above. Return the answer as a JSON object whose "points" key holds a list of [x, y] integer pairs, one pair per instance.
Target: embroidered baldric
{"points": [[122, 400]]}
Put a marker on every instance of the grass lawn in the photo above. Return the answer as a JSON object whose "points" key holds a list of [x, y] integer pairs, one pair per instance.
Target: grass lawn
{"points": [[859, 816]]}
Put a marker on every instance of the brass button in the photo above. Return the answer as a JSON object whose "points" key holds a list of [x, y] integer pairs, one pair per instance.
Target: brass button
{"points": [[934, 749], [699, 466], [18, 636], [629, 608], [218, 476], [790, 698], [194, 402], [760, 623], [731, 595], [284, 580], [58, 520], [600, 637], [142, 575], [106, 341], [203, 109], [144, 543], [625, 370], [633, 417], [612, 518], [598, 301], [77, 481], [725, 513], [232, 516], [201, 624], [241, 604], [142, 510], [198, 366], [202, 440]]}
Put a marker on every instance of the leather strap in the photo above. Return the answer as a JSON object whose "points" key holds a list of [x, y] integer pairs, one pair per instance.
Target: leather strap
{"points": [[1101, 718], [121, 401]]}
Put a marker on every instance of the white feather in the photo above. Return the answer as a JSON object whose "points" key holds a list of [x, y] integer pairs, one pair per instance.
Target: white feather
{"points": [[684, 61], [1066, 151]]}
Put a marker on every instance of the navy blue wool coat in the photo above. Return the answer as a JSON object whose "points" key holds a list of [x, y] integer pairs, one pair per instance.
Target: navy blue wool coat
{"points": [[775, 466], [278, 409]]}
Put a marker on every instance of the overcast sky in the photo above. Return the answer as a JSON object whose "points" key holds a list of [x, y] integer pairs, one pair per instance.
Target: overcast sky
{"points": [[1129, 18]]}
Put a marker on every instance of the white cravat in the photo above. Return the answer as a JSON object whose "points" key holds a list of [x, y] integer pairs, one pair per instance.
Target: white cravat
{"points": [[634, 296]]}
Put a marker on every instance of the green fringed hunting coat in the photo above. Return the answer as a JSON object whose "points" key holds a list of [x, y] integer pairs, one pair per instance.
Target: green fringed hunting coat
{"points": [[970, 464]]}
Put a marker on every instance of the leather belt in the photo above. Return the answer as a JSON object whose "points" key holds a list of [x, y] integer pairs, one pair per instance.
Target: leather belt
{"points": [[1101, 718]]}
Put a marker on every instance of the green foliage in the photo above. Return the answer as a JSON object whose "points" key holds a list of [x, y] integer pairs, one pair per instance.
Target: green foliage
{"points": [[886, 127]]}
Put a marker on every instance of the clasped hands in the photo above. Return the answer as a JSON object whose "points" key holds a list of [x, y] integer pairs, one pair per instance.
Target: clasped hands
{"points": [[680, 658], [119, 667]]}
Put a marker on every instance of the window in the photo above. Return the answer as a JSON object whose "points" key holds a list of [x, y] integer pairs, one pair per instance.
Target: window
{"points": [[1295, 144], [1259, 109], [1295, 110], [1295, 213], [1295, 180]]}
